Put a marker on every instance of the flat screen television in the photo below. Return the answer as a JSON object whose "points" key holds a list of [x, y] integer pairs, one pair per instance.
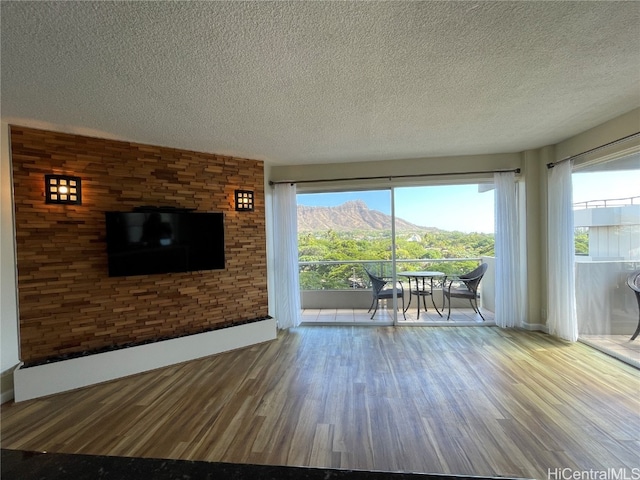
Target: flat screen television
{"points": [[158, 241]]}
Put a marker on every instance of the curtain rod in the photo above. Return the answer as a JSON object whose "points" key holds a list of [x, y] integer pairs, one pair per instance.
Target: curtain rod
{"points": [[595, 149], [391, 177]]}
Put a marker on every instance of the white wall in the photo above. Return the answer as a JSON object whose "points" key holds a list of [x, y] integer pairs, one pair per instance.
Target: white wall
{"points": [[268, 212], [9, 348], [416, 166], [535, 231], [610, 131]]}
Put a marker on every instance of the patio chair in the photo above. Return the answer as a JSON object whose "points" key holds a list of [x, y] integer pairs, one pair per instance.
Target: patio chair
{"points": [[465, 286], [383, 292], [633, 281]]}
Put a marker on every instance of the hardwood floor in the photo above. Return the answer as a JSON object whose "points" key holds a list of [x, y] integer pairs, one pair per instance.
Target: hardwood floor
{"points": [[461, 400]]}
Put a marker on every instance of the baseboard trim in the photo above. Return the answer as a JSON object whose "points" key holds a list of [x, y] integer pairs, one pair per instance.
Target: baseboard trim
{"points": [[6, 396], [48, 379], [6, 386], [540, 327]]}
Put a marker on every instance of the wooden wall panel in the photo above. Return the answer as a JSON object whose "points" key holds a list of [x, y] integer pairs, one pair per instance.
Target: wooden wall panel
{"points": [[67, 301]]}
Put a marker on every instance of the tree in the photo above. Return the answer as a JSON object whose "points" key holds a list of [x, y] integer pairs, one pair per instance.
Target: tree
{"points": [[581, 240], [369, 245]]}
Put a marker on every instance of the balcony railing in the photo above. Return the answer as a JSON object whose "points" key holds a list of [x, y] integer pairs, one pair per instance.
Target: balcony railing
{"points": [[605, 305], [345, 284], [351, 274], [607, 203]]}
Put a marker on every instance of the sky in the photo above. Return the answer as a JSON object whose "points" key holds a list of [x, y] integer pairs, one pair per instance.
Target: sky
{"points": [[463, 208], [606, 185], [436, 206]]}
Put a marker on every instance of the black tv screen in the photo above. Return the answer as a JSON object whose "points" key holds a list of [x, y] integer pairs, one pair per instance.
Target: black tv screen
{"points": [[156, 241]]}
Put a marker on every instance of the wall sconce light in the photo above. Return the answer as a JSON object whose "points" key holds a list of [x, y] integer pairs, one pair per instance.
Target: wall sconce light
{"points": [[244, 201], [63, 189]]}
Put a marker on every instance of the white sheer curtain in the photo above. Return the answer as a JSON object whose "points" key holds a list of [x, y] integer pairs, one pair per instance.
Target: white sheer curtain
{"points": [[562, 320], [509, 311], [285, 231]]}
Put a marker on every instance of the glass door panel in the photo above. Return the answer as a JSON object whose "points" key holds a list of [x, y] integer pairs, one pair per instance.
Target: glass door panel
{"points": [[447, 230], [342, 237], [607, 238]]}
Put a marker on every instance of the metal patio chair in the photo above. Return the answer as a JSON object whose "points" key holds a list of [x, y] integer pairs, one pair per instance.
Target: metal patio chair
{"points": [[381, 291], [633, 281], [465, 286]]}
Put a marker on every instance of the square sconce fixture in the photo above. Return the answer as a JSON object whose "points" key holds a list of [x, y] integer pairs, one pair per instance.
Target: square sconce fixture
{"points": [[244, 201], [63, 189]]}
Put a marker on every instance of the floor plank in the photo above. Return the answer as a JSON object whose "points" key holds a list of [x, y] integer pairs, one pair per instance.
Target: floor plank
{"points": [[458, 400]]}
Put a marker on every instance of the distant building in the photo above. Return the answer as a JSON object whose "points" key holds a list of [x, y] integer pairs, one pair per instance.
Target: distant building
{"points": [[614, 228]]}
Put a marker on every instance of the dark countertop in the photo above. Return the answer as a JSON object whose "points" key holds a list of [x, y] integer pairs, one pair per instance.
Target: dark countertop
{"points": [[22, 465]]}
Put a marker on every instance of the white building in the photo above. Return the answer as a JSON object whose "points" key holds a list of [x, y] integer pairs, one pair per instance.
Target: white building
{"points": [[614, 228]]}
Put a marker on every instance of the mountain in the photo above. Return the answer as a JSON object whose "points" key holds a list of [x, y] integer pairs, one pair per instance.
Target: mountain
{"points": [[352, 215]]}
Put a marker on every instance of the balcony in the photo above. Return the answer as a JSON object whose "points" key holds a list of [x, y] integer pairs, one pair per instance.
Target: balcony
{"points": [[347, 296], [606, 307]]}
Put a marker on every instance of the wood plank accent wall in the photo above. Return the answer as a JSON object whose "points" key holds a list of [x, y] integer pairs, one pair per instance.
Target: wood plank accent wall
{"points": [[67, 301]]}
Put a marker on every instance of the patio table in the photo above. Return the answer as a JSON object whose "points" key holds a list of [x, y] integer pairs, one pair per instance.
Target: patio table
{"points": [[422, 287]]}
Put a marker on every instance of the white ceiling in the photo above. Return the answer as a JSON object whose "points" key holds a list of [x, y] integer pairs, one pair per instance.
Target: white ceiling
{"points": [[315, 82]]}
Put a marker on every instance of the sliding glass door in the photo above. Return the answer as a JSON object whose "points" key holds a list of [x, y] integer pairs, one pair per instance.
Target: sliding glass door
{"points": [[607, 241], [342, 238], [446, 230], [345, 237]]}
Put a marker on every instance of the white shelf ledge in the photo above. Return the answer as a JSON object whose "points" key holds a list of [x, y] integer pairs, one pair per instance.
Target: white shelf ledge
{"points": [[48, 379]]}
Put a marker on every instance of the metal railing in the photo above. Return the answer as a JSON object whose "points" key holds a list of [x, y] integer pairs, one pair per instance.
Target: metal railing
{"points": [[607, 203], [351, 274]]}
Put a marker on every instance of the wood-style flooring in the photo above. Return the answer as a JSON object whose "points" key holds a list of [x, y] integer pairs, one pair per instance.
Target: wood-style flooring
{"points": [[460, 400]]}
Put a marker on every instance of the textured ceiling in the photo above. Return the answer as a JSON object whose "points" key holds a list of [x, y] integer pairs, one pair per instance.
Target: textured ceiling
{"points": [[314, 82]]}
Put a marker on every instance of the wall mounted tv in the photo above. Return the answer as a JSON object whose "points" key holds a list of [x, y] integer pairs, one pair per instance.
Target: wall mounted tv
{"points": [[153, 241]]}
